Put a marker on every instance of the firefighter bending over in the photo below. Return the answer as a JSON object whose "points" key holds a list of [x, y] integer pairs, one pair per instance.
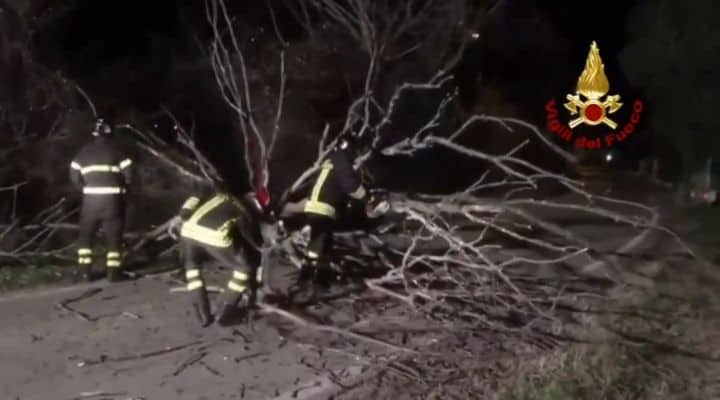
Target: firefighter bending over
{"points": [[218, 227], [103, 174], [337, 184]]}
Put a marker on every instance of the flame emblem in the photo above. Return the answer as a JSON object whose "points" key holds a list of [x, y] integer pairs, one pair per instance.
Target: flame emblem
{"points": [[592, 85]]}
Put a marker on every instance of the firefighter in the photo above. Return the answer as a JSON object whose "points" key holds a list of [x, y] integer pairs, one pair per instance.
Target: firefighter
{"points": [[337, 184], [218, 227], [102, 172]]}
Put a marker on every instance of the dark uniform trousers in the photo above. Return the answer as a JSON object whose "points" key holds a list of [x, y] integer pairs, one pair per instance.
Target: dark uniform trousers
{"points": [[215, 232], [335, 185], [105, 212], [321, 238]]}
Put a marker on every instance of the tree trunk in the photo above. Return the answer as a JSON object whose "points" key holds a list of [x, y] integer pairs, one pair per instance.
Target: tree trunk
{"points": [[683, 185]]}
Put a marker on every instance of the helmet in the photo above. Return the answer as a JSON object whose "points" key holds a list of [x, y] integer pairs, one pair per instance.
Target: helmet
{"points": [[342, 145], [101, 128], [349, 142]]}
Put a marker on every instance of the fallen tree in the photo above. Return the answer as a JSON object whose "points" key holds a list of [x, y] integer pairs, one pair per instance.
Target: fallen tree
{"points": [[463, 257]]}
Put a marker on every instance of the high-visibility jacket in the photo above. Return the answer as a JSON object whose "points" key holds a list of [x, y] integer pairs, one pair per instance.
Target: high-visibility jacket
{"points": [[336, 183], [218, 221], [100, 168]]}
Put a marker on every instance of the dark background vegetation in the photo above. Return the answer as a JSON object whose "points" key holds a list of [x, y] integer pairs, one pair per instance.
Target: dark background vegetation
{"points": [[135, 57]]}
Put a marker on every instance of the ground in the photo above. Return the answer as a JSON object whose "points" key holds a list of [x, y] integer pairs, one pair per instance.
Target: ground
{"points": [[136, 340]]}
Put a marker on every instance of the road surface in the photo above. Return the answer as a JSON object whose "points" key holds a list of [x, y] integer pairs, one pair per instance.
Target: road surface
{"points": [[136, 340]]}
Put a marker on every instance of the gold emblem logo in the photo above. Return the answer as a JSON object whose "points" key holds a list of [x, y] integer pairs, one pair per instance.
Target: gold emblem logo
{"points": [[592, 86]]}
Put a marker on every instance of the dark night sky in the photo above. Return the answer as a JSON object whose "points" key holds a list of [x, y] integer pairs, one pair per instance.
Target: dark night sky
{"points": [[573, 28], [110, 30], [607, 25], [148, 36]]}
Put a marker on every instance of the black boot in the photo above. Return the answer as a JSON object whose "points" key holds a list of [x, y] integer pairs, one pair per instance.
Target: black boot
{"points": [[113, 274], [323, 278], [201, 307], [265, 294], [257, 296], [229, 312], [87, 274]]}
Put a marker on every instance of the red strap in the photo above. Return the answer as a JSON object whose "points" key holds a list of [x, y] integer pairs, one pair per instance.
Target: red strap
{"points": [[263, 196]]}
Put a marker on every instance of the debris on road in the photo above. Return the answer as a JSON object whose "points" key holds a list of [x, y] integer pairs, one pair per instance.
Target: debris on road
{"points": [[105, 359], [65, 305]]}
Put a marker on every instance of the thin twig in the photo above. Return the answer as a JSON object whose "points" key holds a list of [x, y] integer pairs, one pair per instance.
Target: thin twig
{"points": [[331, 329], [141, 356], [195, 358], [65, 304]]}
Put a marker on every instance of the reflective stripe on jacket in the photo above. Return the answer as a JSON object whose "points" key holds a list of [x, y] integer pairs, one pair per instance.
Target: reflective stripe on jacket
{"points": [[218, 222], [314, 205], [189, 206], [336, 182], [100, 168]]}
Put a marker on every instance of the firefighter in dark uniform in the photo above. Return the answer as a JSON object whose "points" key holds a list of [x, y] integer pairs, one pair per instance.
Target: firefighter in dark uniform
{"points": [[103, 173], [337, 184], [218, 226]]}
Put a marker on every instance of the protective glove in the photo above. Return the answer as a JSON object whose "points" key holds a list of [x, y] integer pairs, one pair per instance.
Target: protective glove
{"points": [[273, 233], [282, 231], [379, 209], [174, 227]]}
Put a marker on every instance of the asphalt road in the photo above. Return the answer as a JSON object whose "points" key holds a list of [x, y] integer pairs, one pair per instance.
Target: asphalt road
{"points": [[134, 345], [136, 340]]}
